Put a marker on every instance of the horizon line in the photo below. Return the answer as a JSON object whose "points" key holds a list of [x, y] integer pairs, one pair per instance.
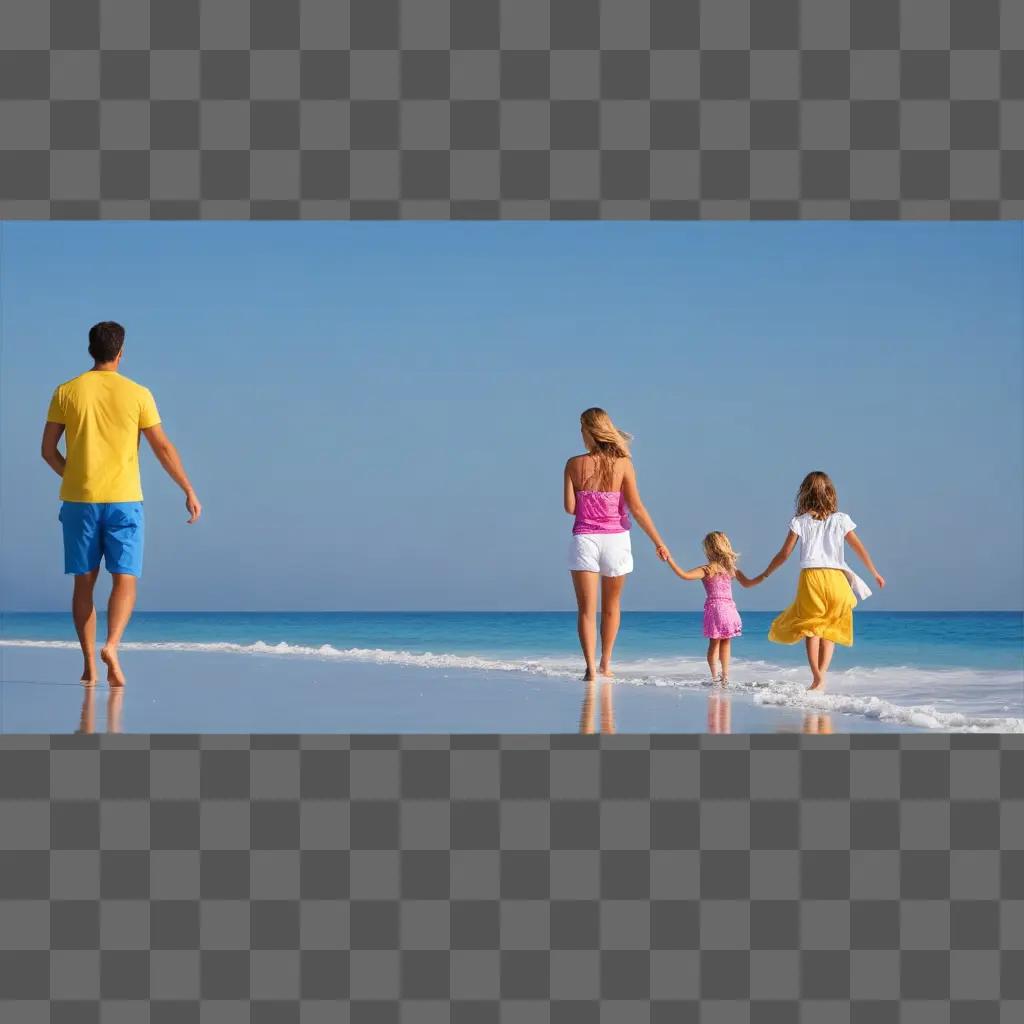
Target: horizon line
{"points": [[487, 611]]}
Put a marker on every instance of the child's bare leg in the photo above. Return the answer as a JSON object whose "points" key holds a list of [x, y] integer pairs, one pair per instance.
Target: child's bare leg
{"points": [[825, 652], [585, 585], [724, 652], [713, 658], [611, 616], [812, 644]]}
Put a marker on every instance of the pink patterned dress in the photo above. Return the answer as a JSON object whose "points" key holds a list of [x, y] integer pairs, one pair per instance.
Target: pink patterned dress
{"points": [[721, 616]]}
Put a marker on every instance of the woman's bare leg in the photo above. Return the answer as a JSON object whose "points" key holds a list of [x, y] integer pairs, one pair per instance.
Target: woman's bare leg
{"points": [[724, 652], [713, 658], [83, 611], [585, 585], [825, 652], [813, 644], [611, 616]]}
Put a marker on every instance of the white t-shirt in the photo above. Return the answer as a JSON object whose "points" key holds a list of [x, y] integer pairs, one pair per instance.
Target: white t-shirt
{"points": [[821, 540]]}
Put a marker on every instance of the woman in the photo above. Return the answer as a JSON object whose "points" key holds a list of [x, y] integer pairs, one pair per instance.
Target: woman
{"points": [[600, 491]]}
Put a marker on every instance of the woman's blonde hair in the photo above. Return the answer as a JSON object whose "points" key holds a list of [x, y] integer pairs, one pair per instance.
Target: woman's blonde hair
{"points": [[720, 555], [604, 441], [817, 495]]}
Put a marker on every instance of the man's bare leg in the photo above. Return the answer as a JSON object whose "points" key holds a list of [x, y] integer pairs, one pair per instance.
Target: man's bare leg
{"points": [[119, 611], [83, 611]]}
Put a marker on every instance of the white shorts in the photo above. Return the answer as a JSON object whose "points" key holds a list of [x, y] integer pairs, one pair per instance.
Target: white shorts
{"points": [[610, 554]]}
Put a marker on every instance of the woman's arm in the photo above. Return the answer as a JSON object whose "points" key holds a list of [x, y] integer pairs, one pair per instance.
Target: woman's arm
{"points": [[862, 553], [568, 491], [746, 581], [640, 514], [784, 552], [686, 574]]}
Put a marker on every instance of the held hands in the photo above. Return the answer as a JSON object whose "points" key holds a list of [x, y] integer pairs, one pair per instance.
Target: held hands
{"points": [[663, 553], [192, 506]]}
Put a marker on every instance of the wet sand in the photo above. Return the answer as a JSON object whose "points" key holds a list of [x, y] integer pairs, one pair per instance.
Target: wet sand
{"points": [[173, 691]]}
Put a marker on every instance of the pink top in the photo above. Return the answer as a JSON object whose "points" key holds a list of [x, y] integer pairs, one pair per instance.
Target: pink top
{"points": [[601, 512], [718, 587]]}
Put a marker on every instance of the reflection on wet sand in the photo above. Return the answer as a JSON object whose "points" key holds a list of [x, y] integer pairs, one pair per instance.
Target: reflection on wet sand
{"points": [[87, 719], [719, 714], [817, 724], [587, 712]]}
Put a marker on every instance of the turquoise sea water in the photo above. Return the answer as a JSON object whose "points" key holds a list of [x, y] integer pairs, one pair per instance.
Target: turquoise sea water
{"points": [[987, 640], [938, 669]]}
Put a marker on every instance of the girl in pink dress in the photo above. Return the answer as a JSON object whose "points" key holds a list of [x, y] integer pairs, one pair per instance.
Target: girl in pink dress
{"points": [[721, 618]]}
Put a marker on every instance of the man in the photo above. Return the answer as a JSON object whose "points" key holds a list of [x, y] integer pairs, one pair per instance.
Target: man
{"points": [[104, 414]]}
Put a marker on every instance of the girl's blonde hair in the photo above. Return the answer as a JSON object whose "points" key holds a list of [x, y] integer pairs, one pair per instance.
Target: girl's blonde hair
{"points": [[720, 555], [817, 495], [604, 441]]}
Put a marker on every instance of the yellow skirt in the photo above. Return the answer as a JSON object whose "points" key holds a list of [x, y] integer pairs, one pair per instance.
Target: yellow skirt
{"points": [[823, 607]]}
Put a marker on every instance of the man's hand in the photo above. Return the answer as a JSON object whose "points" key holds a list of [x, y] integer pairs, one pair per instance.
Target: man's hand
{"points": [[192, 506]]}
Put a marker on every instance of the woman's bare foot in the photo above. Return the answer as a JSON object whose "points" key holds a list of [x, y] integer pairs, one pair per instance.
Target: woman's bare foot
{"points": [[589, 676], [89, 675], [817, 684], [723, 681], [115, 677], [605, 672]]}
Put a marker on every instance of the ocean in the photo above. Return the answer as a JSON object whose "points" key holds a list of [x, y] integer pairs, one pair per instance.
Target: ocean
{"points": [[952, 671]]}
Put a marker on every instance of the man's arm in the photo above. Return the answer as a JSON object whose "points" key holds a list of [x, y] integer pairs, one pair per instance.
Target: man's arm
{"points": [[52, 433], [167, 456]]}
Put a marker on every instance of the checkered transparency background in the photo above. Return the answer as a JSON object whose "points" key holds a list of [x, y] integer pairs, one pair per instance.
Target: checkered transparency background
{"points": [[870, 879], [512, 108]]}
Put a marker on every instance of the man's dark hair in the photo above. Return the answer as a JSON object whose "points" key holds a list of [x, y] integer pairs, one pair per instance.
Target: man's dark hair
{"points": [[105, 341]]}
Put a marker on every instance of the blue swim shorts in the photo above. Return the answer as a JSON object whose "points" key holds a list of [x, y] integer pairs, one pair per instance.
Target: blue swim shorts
{"points": [[113, 531]]}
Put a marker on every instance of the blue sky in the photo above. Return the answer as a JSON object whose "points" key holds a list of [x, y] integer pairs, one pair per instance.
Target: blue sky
{"points": [[376, 415]]}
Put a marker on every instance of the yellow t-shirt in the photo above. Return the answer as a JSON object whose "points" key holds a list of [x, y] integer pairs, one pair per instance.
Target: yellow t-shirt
{"points": [[102, 413]]}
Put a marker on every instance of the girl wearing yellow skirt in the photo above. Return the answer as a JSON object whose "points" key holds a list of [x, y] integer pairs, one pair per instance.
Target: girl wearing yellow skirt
{"points": [[822, 613]]}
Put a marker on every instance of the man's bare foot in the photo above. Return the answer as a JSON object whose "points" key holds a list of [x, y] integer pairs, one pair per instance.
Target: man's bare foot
{"points": [[115, 677]]}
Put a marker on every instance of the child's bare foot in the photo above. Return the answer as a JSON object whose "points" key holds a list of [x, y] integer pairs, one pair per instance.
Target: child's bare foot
{"points": [[589, 676], [606, 672], [724, 681], [115, 677], [817, 684]]}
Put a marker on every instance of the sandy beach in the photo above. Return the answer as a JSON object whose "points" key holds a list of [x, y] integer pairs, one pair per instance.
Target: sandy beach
{"points": [[174, 691]]}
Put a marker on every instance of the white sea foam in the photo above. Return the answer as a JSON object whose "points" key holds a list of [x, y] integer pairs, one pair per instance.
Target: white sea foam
{"points": [[952, 700]]}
